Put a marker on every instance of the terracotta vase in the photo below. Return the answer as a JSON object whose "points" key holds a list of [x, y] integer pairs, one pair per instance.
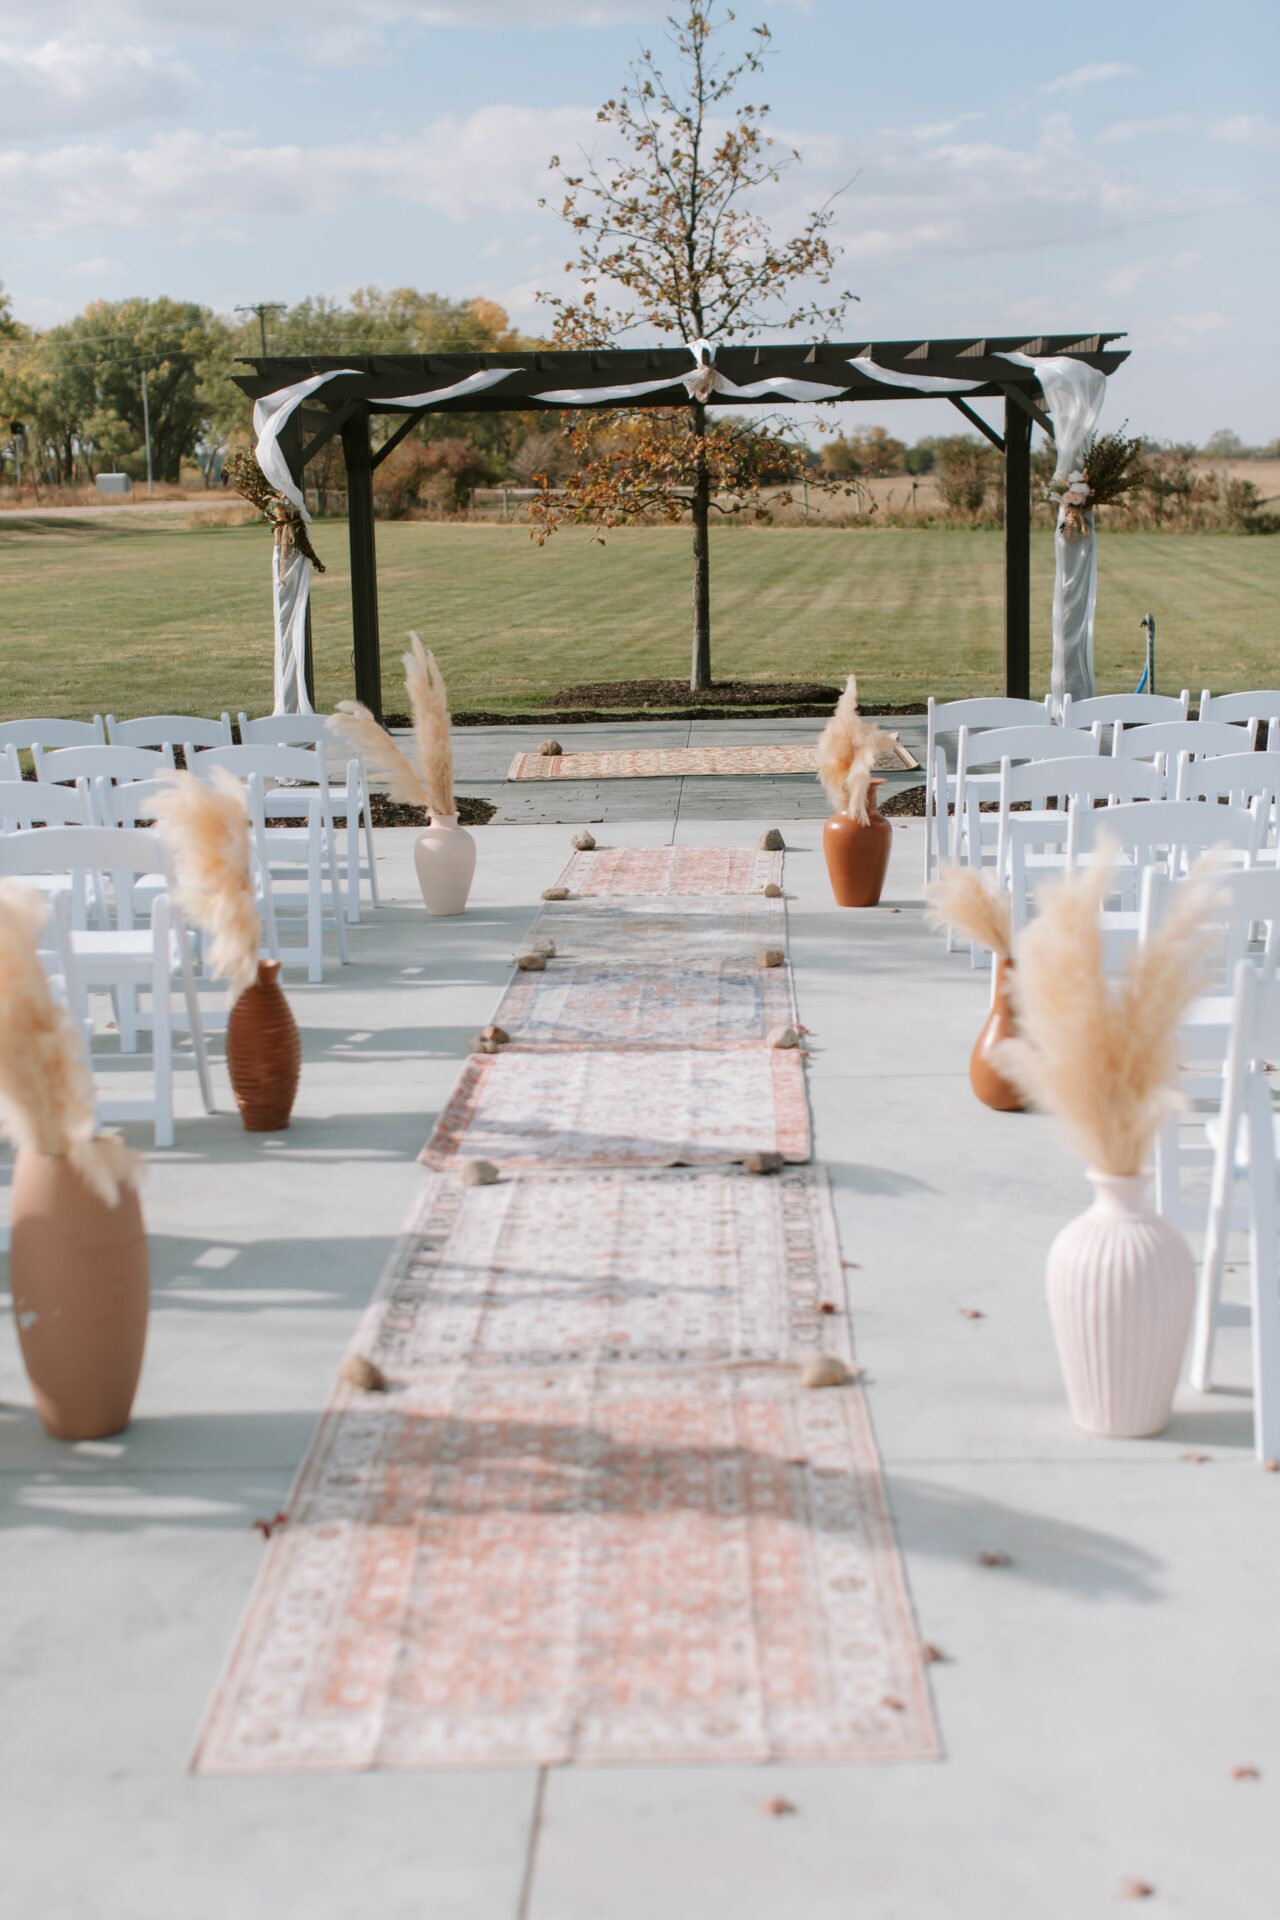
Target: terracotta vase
{"points": [[1121, 1285], [985, 1077], [858, 853], [80, 1279], [264, 1053], [445, 858]]}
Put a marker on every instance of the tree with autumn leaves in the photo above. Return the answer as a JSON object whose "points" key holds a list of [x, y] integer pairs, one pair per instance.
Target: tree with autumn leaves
{"points": [[671, 241]]}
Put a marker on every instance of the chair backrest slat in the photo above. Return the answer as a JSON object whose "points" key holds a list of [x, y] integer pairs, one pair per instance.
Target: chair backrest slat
{"points": [[26, 734], [102, 762], [34, 803], [169, 730], [1134, 709], [1260, 704]]}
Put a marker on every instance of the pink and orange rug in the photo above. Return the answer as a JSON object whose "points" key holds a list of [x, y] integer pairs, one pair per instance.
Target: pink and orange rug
{"points": [[681, 763]]}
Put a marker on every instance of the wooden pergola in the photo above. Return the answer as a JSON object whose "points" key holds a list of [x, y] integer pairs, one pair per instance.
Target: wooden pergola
{"points": [[367, 385]]}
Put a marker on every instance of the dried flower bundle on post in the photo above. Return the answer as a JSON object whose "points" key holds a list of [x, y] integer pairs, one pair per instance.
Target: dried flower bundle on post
{"points": [[1112, 467], [46, 1093], [847, 753], [970, 903], [205, 826], [1103, 1058], [251, 483], [430, 783]]}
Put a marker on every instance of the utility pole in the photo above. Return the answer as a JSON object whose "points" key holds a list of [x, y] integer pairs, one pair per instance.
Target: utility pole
{"points": [[146, 427], [262, 308]]}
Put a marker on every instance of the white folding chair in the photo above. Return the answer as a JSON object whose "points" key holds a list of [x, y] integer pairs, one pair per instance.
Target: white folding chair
{"points": [[297, 866], [1031, 847], [1132, 709], [170, 730], [123, 959], [1246, 1149], [25, 735], [1162, 742], [1167, 834], [946, 717], [96, 763], [979, 759], [37, 803], [1260, 705], [350, 801], [1239, 780]]}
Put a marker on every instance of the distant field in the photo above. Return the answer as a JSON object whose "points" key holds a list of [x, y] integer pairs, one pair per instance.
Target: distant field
{"points": [[114, 614]]}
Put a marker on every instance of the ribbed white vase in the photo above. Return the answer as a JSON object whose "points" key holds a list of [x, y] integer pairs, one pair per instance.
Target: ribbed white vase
{"points": [[1121, 1285], [444, 856]]}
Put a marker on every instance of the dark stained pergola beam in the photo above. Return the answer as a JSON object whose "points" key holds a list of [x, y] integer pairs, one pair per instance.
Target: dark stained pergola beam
{"points": [[962, 406], [333, 425], [406, 426], [1028, 405]]}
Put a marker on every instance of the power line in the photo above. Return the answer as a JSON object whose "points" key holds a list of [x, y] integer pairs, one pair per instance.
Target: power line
{"points": [[262, 308]]}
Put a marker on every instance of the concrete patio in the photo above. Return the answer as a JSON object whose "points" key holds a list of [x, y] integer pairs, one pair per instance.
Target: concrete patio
{"points": [[1096, 1693]]}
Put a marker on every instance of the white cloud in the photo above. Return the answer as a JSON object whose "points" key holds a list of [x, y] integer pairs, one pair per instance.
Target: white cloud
{"points": [[1188, 258], [1201, 322], [1088, 76], [1124, 283], [942, 128], [85, 86], [94, 269], [1140, 129], [1249, 130]]}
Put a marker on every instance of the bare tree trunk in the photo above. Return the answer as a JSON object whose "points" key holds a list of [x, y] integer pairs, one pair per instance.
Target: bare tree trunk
{"points": [[700, 674]]}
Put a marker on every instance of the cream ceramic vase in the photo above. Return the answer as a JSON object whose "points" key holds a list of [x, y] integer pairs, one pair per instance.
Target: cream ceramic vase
{"points": [[1121, 1285], [445, 858]]}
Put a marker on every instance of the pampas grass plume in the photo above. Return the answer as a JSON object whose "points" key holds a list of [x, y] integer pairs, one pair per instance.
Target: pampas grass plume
{"points": [[847, 753], [1104, 1058], [430, 783], [970, 902], [46, 1092], [205, 826]]}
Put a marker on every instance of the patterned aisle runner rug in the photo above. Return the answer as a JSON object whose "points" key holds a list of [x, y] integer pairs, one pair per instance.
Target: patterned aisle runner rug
{"points": [[655, 932], [678, 763], [595, 1518], [608, 1107], [702, 1003], [671, 870]]}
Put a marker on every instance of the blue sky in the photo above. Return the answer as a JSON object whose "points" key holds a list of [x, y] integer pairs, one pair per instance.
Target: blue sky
{"points": [[1089, 166]]}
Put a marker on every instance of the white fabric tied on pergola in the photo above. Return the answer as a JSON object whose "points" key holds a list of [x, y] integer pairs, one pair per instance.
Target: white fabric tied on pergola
{"points": [[1073, 393]]}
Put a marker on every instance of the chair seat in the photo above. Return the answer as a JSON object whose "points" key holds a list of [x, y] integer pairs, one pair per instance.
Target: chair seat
{"points": [[110, 958]]}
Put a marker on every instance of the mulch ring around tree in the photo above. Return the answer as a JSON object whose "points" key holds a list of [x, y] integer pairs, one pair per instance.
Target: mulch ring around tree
{"points": [[393, 813]]}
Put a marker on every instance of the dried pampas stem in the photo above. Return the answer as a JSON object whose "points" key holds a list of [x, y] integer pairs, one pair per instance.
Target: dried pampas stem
{"points": [[847, 754], [46, 1092], [1105, 1060], [970, 902], [205, 826], [429, 705], [354, 724]]}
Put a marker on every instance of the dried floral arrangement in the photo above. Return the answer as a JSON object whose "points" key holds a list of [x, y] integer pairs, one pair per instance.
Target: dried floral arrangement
{"points": [[969, 902], [251, 483], [205, 826], [847, 753], [1112, 467], [429, 784], [46, 1091], [1103, 1057]]}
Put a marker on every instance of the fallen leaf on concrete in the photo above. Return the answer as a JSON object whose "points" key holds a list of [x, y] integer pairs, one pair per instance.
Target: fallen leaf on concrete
{"points": [[932, 1655], [1197, 1459], [995, 1559], [828, 1306], [893, 1703], [267, 1527], [1245, 1773], [777, 1805], [1137, 1890], [1271, 1466], [972, 1313]]}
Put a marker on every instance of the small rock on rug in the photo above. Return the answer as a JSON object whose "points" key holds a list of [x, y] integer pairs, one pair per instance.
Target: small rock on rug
{"points": [[668, 763], [613, 1108], [585, 1524], [671, 870], [701, 1003]]}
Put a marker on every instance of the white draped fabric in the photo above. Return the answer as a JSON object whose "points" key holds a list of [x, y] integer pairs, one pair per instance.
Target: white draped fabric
{"points": [[1074, 394], [913, 382], [291, 583]]}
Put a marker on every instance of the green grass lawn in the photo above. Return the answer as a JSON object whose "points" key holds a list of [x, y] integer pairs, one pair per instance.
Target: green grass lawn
{"points": [[99, 615]]}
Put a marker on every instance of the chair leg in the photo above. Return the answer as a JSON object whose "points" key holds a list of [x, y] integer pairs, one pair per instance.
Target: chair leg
{"points": [[1264, 1277], [315, 913], [353, 861], [367, 817], [162, 1046], [339, 911], [194, 1021], [126, 999], [1215, 1239]]}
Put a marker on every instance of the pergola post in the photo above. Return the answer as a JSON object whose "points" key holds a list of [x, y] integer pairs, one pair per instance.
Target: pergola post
{"points": [[1017, 551], [291, 448], [364, 564]]}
